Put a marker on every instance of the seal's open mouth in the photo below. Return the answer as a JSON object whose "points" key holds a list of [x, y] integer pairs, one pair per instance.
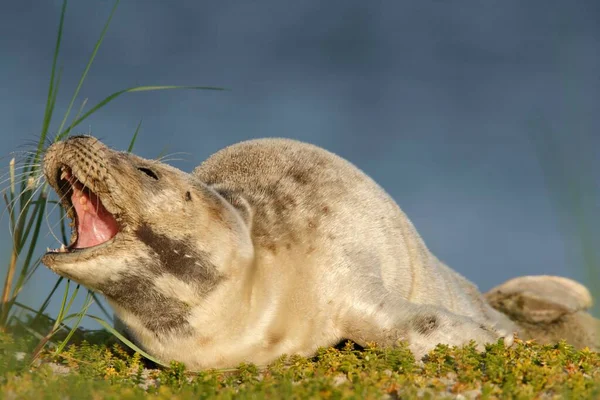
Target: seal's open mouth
{"points": [[93, 225]]}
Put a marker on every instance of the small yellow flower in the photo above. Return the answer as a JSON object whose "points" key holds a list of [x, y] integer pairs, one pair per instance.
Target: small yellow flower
{"points": [[110, 371]]}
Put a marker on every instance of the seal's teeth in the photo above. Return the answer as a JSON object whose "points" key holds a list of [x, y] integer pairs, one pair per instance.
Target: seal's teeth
{"points": [[63, 175], [82, 200], [62, 249], [48, 249]]}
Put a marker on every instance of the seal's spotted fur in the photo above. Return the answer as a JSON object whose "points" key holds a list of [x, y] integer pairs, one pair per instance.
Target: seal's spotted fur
{"points": [[270, 246]]}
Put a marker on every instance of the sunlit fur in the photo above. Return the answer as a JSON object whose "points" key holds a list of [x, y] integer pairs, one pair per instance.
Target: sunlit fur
{"points": [[270, 246]]}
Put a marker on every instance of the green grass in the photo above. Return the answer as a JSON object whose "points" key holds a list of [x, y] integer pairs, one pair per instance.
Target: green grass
{"points": [[99, 371], [104, 369]]}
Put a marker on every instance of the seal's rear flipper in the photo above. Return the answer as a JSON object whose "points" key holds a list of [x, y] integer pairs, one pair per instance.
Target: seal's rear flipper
{"points": [[548, 309], [539, 299]]}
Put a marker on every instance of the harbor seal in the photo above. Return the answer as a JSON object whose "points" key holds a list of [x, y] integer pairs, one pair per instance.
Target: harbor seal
{"points": [[269, 247]]}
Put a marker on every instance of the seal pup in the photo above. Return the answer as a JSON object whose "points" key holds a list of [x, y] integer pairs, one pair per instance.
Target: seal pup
{"points": [[269, 247]]}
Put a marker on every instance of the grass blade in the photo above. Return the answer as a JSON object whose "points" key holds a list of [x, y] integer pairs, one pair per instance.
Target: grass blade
{"points": [[133, 139], [101, 306], [113, 96], [126, 341], [52, 92], [88, 66], [63, 303], [48, 298], [39, 209], [33, 310], [36, 216], [11, 168], [88, 302]]}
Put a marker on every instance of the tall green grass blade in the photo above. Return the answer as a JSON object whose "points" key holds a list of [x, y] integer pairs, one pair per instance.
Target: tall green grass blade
{"points": [[11, 170], [30, 309], [29, 161], [133, 139], [113, 96], [63, 303], [52, 92], [32, 271], [73, 296], [101, 306], [33, 310], [34, 333], [39, 211], [87, 68], [46, 302], [126, 341], [81, 107], [10, 213], [88, 302], [65, 307], [36, 215], [10, 200]]}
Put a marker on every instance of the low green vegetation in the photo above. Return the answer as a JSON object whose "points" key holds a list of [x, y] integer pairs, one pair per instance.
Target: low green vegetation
{"points": [[93, 371]]}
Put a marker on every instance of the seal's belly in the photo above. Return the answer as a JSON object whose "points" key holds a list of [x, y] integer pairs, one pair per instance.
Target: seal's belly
{"points": [[259, 340]]}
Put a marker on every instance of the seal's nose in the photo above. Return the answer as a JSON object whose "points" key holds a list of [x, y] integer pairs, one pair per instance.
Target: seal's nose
{"points": [[82, 143], [78, 152]]}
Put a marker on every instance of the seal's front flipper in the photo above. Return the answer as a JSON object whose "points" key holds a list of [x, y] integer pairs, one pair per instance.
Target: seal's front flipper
{"points": [[386, 321], [548, 309]]}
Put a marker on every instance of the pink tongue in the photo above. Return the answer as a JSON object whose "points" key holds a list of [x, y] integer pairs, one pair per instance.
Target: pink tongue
{"points": [[95, 224]]}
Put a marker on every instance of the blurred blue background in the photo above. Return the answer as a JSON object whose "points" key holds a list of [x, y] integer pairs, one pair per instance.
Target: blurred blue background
{"points": [[447, 105]]}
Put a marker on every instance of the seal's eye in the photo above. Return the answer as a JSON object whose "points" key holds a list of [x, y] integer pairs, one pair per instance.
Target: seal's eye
{"points": [[149, 172]]}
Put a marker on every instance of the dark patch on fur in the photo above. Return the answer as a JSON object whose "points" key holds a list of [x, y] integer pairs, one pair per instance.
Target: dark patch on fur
{"points": [[279, 200], [425, 324], [178, 258], [274, 338], [137, 293], [283, 183], [188, 196], [303, 177], [271, 246], [139, 296]]}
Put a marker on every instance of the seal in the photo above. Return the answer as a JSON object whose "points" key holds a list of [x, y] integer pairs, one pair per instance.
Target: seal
{"points": [[270, 247]]}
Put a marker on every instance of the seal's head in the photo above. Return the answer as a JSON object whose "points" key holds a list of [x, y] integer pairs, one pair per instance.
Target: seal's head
{"points": [[143, 232]]}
